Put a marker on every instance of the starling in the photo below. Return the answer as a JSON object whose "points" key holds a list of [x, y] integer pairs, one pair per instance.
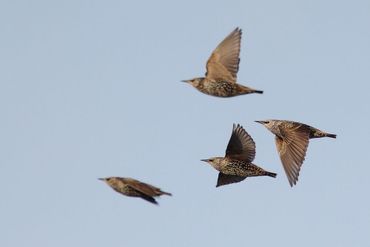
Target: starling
{"points": [[291, 140], [222, 67], [134, 188], [237, 164]]}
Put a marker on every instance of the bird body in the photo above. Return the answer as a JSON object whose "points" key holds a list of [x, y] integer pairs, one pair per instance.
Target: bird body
{"points": [[134, 188], [277, 127], [222, 69], [238, 167], [220, 88], [292, 140], [237, 163]]}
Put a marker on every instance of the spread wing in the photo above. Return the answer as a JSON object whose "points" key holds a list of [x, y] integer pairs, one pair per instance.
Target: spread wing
{"points": [[292, 150], [223, 63], [224, 179], [241, 145]]}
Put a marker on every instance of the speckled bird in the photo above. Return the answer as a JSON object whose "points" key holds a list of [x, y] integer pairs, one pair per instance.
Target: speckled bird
{"points": [[134, 188], [237, 164], [222, 69], [292, 140]]}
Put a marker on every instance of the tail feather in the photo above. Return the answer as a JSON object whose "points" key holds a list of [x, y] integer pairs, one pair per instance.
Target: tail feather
{"points": [[166, 193], [247, 90], [271, 174], [331, 135], [315, 133]]}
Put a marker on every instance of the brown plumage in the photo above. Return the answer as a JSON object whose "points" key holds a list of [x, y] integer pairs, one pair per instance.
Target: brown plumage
{"points": [[222, 69], [292, 140], [237, 163], [134, 188]]}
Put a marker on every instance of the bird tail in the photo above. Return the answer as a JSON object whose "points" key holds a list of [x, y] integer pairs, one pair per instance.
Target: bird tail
{"points": [[331, 135], [248, 90], [318, 134], [270, 174], [166, 193], [258, 91]]}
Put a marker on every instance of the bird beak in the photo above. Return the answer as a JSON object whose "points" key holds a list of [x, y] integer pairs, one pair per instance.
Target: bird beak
{"points": [[205, 160], [186, 81], [102, 179], [261, 122]]}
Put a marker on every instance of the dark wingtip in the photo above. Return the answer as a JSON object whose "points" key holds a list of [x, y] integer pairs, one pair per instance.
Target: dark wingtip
{"points": [[149, 199], [153, 201], [292, 183]]}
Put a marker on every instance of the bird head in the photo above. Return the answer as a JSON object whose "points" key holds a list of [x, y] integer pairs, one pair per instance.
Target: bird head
{"points": [[194, 82], [267, 123], [215, 161], [108, 180]]}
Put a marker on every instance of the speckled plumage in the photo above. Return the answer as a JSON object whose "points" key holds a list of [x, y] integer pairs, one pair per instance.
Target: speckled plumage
{"points": [[240, 168], [292, 140], [237, 163], [134, 188], [222, 69]]}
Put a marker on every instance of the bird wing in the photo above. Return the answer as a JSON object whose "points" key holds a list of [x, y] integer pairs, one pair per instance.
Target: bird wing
{"points": [[144, 188], [224, 179], [148, 198], [241, 145], [223, 64], [292, 147]]}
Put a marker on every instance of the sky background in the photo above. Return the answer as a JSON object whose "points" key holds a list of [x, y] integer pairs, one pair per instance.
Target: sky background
{"points": [[91, 89]]}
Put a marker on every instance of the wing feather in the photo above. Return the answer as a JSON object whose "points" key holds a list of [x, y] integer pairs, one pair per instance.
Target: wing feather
{"points": [[224, 179], [223, 64], [292, 149], [241, 145]]}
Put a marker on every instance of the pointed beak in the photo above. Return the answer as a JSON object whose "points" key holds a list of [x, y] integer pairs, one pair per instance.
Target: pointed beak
{"points": [[204, 160], [186, 81], [261, 122], [102, 179]]}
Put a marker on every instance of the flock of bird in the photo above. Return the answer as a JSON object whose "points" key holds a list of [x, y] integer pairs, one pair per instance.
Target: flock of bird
{"points": [[220, 80]]}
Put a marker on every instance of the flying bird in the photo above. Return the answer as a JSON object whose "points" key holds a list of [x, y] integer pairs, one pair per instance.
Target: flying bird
{"points": [[237, 164], [291, 140], [222, 69], [134, 188]]}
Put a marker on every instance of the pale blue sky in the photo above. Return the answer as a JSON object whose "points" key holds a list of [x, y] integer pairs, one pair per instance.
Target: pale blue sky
{"points": [[91, 89]]}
